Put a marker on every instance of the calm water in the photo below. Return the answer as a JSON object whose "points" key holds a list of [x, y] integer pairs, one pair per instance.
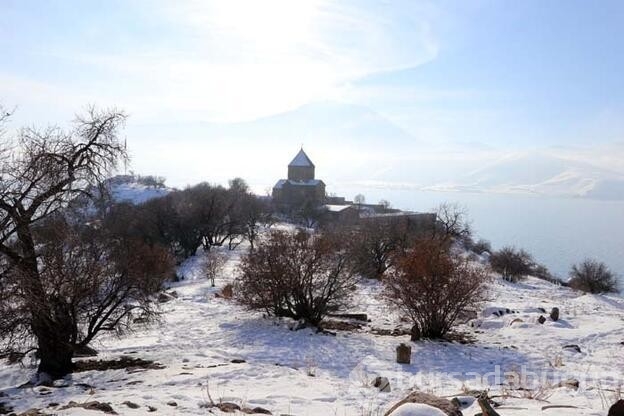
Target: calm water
{"points": [[557, 231]]}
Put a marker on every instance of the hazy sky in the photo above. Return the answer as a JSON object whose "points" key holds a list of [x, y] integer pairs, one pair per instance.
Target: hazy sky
{"points": [[508, 74]]}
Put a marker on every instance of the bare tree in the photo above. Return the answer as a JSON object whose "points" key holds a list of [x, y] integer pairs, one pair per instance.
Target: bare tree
{"points": [[512, 264], [205, 216], [452, 223], [359, 199], [40, 173], [374, 244], [214, 265], [384, 204], [433, 287], [100, 277]]}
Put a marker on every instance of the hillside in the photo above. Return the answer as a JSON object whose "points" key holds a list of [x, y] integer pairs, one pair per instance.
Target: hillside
{"points": [[212, 348]]}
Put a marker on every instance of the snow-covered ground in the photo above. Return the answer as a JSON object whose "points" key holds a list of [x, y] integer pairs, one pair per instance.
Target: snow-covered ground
{"points": [[304, 373], [136, 193]]}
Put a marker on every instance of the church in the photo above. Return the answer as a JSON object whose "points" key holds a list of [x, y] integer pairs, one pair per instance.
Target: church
{"points": [[301, 188]]}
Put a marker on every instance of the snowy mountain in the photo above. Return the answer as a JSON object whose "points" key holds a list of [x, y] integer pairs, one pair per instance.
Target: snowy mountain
{"points": [[354, 144], [544, 174]]}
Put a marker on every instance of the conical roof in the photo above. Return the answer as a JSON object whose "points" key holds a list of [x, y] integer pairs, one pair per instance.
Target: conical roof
{"points": [[301, 160]]}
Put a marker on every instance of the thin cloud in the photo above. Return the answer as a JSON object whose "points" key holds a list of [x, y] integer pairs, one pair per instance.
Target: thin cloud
{"points": [[238, 60]]}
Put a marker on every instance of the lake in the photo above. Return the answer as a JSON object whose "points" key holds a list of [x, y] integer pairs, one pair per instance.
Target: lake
{"points": [[558, 232]]}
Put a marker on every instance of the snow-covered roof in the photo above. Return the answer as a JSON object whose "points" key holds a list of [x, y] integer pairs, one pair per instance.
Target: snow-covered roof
{"points": [[312, 182], [280, 183], [337, 208], [301, 160]]}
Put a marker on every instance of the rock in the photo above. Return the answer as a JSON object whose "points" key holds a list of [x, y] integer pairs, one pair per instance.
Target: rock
{"points": [[463, 401], [415, 333], [617, 409], [258, 410], [570, 383], [131, 405], [238, 361], [541, 319], [43, 379], [355, 316], [416, 397], [172, 403], [151, 409], [164, 297], [5, 408], [228, 407], [404, 354], [30, 412], [94, 405], [554, 314], [572, 347], [383, 384], [84, 351], [466, 316]]}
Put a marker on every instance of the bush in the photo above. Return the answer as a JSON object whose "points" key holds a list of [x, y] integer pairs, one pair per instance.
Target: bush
{"points": [[433, 287], [214, 265], [512, 264], [593, 277], [296, 275], [479, 247]]}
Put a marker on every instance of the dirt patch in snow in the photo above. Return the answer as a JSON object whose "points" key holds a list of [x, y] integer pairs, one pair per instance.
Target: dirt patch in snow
{"points": [[130, 364]]}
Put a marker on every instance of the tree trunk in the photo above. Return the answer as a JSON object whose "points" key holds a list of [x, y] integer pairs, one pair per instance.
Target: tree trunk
{"points": [[55, 357], [54, 334]]}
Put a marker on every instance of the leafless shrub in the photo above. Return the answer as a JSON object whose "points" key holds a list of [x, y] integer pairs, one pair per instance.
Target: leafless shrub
{"points": [[512, 264], [214, 265], [593, 277], [227, 292], [433, 287], [296, 275]]}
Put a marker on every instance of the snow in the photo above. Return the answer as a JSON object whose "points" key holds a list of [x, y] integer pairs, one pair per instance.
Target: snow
{"points": [[136, 193], [413, 409], [280, 183], [304, 373], [337, 208]]}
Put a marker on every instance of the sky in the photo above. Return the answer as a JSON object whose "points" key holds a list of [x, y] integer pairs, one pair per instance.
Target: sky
{"points": [[490, 76]]}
